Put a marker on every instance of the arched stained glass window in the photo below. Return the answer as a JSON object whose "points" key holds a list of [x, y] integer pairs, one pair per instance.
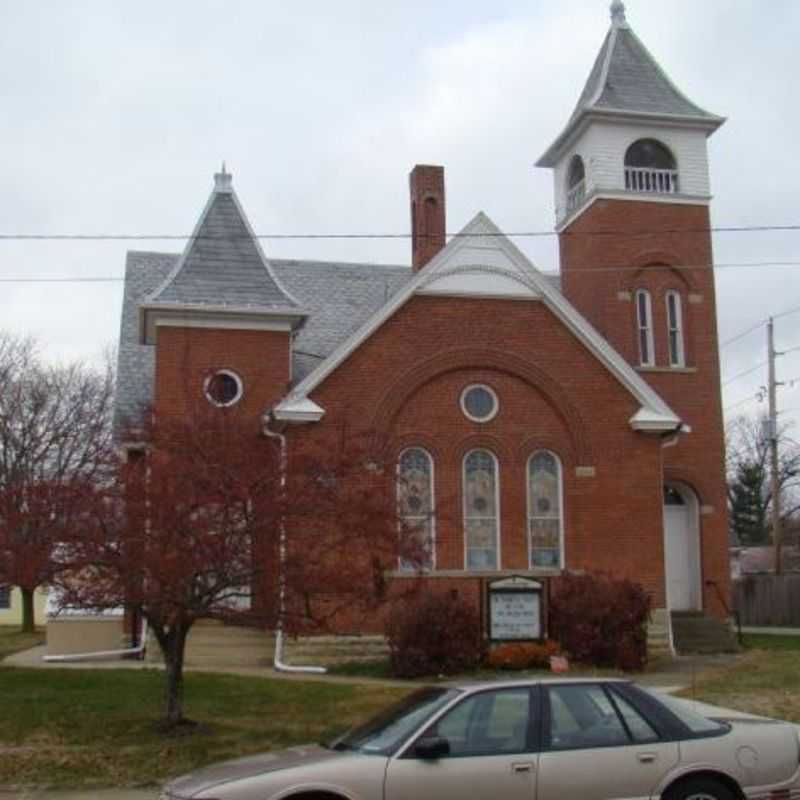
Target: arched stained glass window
{"points": [[481, 532], [416, 508], [545, 518]]}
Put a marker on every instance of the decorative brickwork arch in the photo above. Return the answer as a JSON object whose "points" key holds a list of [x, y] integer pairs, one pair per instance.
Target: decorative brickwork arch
{"points": [[688, 478], [410, 382], [434, 446], [481, 441], [536, 442], [647, 260]]}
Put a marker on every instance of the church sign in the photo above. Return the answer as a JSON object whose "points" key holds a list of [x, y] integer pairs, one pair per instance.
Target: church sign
{"points": [[515, 610]]}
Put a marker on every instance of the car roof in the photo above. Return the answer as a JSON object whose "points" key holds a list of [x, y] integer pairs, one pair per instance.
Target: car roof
{"points": [[472, 686]]}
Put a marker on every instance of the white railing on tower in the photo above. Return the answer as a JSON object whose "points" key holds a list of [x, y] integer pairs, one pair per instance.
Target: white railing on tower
{"points": [[576, 195], [647, 179]]}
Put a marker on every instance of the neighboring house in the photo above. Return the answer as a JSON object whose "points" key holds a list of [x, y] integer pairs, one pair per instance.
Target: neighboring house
{"points": [[11, 606], [544, 424]]}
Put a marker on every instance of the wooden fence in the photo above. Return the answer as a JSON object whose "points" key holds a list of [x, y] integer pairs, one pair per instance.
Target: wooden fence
{"points": [[768, 600]]}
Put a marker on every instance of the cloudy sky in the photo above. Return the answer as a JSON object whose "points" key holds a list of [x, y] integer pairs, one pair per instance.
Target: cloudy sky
{"points": [[115, 115]]}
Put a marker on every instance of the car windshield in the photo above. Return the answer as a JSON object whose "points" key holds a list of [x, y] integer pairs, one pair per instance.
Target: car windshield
{"points": [[694, 721], [386, 731]]}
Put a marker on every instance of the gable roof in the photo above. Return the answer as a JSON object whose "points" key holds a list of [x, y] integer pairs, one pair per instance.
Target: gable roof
{"points": [[223, 267], [626, 80], [481, 261]]}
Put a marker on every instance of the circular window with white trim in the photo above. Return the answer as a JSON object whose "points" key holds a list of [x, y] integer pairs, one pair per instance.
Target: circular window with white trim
{"points": [[223, 388], [479, 403]]}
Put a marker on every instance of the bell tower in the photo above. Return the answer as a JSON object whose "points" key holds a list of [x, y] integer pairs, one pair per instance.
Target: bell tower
{"points": [[632, 195]]}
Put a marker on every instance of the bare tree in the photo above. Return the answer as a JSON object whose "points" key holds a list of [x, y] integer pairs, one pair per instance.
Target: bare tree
{"points": [[55, 430], [749, 485]]}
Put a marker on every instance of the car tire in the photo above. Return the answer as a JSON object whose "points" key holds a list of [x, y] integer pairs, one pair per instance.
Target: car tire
{"points": [[700, 789]]}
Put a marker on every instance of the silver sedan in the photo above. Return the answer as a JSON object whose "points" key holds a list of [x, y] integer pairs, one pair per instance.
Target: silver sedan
{"points": [[546, 740]]}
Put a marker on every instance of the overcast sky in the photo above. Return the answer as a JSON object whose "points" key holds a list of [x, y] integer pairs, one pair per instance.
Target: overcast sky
{"points": [[116, 114]]}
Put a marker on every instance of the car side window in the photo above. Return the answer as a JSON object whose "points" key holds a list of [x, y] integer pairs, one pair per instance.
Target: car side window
{"points": [[640, 729], [487, 723], [582, 716]]}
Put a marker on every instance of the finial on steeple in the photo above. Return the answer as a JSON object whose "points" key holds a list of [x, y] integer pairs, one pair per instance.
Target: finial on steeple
{"points": [[618, 14], [223, 180]]}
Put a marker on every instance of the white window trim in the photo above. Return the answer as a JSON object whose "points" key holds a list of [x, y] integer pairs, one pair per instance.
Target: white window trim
{"points": [[464, 405], [562, 559], [496, 506], [239, 388], [432, 567], [646, 326], [680, 361]]}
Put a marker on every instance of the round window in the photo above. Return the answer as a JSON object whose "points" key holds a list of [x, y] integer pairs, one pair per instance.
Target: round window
{"points": [[223, 388], [479, 403]]}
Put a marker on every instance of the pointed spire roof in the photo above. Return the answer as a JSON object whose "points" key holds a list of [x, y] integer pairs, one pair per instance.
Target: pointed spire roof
{"points": [[223, 264], [626, 81]]}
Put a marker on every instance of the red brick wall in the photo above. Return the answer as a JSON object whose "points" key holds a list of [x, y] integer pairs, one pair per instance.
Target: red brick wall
{"points": [[624, 233], [186, 356], [405, 382]]}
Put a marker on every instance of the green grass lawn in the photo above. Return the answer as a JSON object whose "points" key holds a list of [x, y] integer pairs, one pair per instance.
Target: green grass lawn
{"points": [[764, 680], [80, 728], [12, 641]]}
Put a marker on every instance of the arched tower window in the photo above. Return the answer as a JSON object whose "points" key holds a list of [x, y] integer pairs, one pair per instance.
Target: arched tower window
{"points": [[650, 167], [416, 507], [576, 183], [644, 324], [677, 357], [481, 503], [545, 516]]}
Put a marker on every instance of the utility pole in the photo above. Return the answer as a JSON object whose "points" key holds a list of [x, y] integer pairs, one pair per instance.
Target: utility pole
{"points": [[773, 447]]}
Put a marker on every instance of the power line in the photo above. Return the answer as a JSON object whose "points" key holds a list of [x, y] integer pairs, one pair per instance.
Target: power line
{"points": [[741, 403], [757, 325], [592, 269], [459, 234], [746, 372]]}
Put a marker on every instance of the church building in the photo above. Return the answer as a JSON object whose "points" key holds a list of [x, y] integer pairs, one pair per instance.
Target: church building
{"points": [[540, 423]]}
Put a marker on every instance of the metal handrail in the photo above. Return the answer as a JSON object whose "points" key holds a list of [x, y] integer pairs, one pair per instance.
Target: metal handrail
{"points": [[730, 612]]}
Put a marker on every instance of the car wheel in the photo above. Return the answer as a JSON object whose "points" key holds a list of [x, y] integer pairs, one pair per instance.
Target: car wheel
{"points": [[700, 789]]}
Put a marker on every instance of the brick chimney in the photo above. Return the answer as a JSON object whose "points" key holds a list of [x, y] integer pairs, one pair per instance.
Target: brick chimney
{"points": [[427, 213]]}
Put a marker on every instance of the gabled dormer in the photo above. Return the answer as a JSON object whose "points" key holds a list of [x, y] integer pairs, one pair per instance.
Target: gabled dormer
{"points": [[633, 133]]}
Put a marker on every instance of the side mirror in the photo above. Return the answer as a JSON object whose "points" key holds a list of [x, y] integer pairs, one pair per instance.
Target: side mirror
{"points": [[432, 748]]}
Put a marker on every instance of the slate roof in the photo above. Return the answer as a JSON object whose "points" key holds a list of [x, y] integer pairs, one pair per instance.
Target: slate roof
{"points": [[223, 264], [626, 79], [339, 298]]}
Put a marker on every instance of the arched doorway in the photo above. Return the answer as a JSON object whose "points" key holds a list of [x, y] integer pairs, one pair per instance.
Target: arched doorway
{"points": [[682, 548]]}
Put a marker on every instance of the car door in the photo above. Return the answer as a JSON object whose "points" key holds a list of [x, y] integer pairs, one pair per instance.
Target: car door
{"points": [[597, 746], [492, 740]]}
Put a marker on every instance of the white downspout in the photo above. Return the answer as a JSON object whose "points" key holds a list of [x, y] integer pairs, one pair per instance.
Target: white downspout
{"points": [[100, 654], [278, 662]]}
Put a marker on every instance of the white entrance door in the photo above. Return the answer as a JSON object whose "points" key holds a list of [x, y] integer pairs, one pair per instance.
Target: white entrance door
{"points": [[681, 549]]}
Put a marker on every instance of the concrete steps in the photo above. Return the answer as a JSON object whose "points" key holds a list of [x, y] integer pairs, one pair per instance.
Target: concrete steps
{"points": [[658, 641], [694, 632]]}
